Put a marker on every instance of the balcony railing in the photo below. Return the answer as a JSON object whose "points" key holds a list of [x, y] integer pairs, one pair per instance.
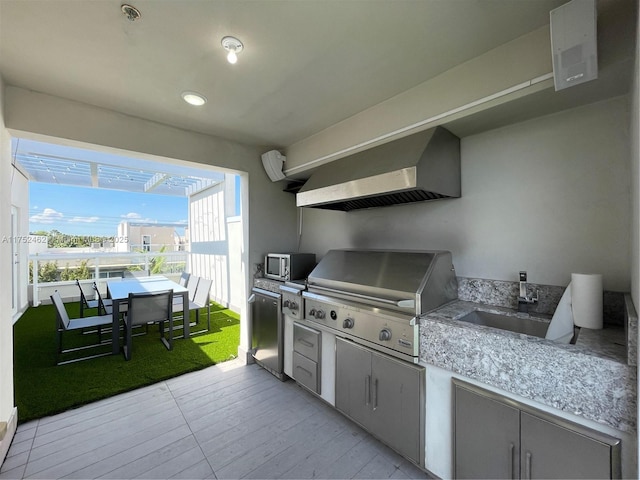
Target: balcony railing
{"points": [[59, 271]]}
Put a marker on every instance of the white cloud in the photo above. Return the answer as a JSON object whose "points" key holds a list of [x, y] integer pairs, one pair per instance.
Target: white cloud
{"points": [[48, 215], [84, 219], [131, 215]]}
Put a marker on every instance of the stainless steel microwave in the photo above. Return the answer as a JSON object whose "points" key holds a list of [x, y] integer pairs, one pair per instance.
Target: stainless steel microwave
{"points": [[288, 266]]}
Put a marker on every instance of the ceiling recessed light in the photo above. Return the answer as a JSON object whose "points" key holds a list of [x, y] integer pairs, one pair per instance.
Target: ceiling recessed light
{"points": [[194, 98]]}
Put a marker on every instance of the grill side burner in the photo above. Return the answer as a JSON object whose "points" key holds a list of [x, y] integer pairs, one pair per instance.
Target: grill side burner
{"points": [[374, 297]]}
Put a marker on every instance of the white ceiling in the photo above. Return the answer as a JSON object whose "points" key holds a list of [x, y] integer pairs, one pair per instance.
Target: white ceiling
{"points": [[307, 64]]}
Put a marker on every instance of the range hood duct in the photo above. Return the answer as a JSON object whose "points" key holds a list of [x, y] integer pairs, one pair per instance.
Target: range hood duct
{"points": [[422, 166]]}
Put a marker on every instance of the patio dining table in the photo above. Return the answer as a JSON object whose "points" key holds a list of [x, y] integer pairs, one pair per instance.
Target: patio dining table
{"points": [[119, 290]]}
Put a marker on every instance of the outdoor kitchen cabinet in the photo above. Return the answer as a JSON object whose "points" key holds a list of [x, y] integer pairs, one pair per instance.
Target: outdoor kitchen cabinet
{"points": [[306, 356], [496, 437], [384, 395]]}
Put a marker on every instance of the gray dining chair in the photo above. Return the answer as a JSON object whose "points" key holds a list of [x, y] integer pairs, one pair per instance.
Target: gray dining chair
{"points": [[192, 285], [105, 306], [184, 279], [201, 300], [145, 309], [197, 302], [66, 324], [85, 303]]}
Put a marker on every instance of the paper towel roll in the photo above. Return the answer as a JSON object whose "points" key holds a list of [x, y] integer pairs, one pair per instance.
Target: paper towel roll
{"points": [[586, 300]]}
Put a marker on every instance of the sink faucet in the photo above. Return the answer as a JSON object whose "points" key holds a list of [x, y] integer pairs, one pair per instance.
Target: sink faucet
{"points": [[523, 299]]}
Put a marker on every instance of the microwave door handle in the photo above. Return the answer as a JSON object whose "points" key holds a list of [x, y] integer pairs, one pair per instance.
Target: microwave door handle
{"points": [[283, 268]]}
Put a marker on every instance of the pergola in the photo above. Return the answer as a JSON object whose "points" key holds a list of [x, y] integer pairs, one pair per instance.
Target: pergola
{"points": [[63, 165]]}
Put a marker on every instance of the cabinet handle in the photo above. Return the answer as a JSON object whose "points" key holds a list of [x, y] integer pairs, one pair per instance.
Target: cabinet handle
{"points": [[527, 467], [511, 449], [304, 370], [306, 343], [367, 390], [375, 394]]}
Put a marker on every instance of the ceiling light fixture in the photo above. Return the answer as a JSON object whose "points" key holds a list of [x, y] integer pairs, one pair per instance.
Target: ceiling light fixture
{"points": [[131, 12], [194, 98], [233, 46]]}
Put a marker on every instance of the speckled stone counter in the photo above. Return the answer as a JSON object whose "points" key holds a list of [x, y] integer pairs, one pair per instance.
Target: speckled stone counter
{"points": [[590, 379], [267, 284]]}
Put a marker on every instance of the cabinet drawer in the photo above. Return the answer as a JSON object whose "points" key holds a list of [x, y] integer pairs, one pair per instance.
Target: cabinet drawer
{"points": [[305, 372], [306, 341]]}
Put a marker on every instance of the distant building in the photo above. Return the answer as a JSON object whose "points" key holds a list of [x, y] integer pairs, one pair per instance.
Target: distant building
{"points": [[148, 237]]}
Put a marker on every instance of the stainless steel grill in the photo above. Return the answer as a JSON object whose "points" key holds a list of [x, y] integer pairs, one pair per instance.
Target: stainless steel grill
{"points": [[375, 297]]}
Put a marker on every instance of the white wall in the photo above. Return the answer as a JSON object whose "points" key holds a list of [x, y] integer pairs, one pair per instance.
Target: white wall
{"points": [[7, 408], [236, 296], [635, 177], [635, 185], [550, 196], [20, 200], [515, 63]]}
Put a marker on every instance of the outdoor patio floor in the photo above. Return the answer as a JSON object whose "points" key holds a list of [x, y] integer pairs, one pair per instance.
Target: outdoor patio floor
{"points": [[226, 421]]}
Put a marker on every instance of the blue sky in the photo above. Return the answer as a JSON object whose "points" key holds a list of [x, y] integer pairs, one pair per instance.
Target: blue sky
{"points": [[93, 211]]}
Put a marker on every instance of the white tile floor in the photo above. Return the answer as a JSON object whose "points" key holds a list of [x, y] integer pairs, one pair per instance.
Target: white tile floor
{"points": [[227, 421]]}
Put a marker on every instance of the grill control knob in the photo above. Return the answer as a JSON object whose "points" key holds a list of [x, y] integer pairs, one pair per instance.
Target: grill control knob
{"points": [[320, 315], [385, 335], [348, 323], [312, 312], [286, 304], [333, 315], [293, 305]]}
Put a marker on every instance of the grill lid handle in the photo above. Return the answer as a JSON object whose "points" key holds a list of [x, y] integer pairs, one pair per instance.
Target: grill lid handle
{"points": [[408, 303]]}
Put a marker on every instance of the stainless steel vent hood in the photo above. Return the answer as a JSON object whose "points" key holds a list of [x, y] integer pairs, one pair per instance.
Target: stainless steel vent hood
{"points": [[421, 166]]}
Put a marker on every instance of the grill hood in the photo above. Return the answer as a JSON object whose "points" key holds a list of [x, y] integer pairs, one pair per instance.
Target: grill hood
{"points": [[422, 166]]}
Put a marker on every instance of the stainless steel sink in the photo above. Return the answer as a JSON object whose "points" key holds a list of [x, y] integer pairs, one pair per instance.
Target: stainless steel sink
{"points": [[527, 326]]}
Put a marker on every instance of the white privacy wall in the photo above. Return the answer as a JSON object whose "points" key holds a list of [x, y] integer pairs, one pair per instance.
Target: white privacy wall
{"points": [[215, 248], [7, 408], [550, 196]]}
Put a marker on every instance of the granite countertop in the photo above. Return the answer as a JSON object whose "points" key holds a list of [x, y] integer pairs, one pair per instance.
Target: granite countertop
{"points": [[268, 284], [590, 379]]}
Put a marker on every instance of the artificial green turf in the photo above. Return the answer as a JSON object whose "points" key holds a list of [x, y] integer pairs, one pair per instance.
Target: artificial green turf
{"points": [[42, 388]]}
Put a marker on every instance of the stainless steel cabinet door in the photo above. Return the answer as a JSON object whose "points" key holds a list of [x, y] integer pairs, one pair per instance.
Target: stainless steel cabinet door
{"points": [[266, 328], [487, 437], [306, 341], [397, 402], [551, 451], [506, 439], [384, 395], [353, 381]]}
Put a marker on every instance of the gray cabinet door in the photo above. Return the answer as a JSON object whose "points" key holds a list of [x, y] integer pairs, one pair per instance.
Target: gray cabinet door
{"points": [[396, 393], [496, 437], [266, 329], [384, 395], [549, 450], [353, 381], [487, 437]]}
